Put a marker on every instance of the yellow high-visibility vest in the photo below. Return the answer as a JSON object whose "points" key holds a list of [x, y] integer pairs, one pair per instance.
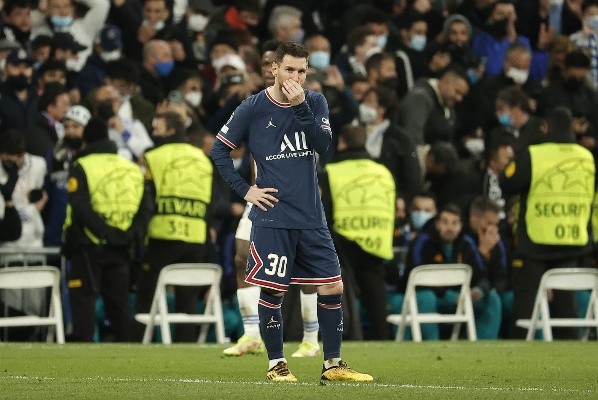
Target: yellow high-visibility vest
{"points": [[182, 175], [559, 202], [363, 203], [115, 187]]}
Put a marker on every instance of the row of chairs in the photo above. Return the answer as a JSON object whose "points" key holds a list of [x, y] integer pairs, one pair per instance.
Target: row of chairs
{"points": [[198, 274], [443, 275], [203, 274]]}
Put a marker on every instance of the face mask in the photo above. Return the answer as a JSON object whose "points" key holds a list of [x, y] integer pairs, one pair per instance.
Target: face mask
{"points": [[18, 82], [164, 68], [73, 143], [157, 26], [574, 84], [391, 83], [381, 41], [498, 28], [197, 22], [9, 166], [519, 76], [319, 60], [61, 22], [37, 64], [556, 3], [418, 42], [592, 23], [108, 56], [367, 114], [419, 219], [298, 37], [125, 98], [72, 64], [371, 51], [3, 64], [193, 98], [473, 76], [505, 120]]}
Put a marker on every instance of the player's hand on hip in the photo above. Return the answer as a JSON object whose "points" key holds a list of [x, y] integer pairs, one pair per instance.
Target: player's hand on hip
{"points": [[261, 197], [294, 92]]}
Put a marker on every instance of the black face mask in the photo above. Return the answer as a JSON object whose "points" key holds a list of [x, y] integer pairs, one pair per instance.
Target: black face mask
{"points": [[574, 84], [73, 143], [390, 83], [498, 28], [17, 83], [105, 111], [10, 166]]}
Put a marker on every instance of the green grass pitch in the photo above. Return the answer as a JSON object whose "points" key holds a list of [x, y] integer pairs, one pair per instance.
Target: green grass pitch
{"points": [[429, 370]]}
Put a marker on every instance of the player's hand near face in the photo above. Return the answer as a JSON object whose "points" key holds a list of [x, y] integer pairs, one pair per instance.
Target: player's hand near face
{"points": [[293, 91], [259, 197]]}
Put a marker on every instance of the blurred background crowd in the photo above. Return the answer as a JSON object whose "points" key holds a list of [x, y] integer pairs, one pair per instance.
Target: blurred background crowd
{"points": [[449, 91]]}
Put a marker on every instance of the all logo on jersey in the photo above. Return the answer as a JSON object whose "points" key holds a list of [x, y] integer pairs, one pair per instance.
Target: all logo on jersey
{"points": [[270, 124], [292, 146]]}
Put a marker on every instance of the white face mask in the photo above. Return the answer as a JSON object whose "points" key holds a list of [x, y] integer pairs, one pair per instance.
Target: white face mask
{"points": [[108, 56], [371, 51], [193, 98], [367, 114], [157, 27], [519, 76], [197, 22], [72, 64]]}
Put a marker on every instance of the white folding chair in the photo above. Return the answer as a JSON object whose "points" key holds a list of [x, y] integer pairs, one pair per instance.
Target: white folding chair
{"points": [[436, 275], [563, 279], [190, 274], [34, 278]]}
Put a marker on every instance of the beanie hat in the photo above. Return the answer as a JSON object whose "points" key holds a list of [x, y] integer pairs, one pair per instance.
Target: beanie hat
{"points": [[456, 17], [79, 114], [95, 130]]}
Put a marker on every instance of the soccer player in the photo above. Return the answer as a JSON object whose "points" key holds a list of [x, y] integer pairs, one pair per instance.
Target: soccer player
{"points": [[248, 295], [283, 126]]}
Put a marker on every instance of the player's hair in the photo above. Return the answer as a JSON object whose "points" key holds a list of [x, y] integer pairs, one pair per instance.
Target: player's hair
{"points": [[451, 208], [172, 121], [292, 49], [354, 136], [482, 204]]}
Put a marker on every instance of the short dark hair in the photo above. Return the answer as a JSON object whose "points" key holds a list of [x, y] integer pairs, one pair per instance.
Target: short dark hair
{"points": [[375, 60], [52, 65], [9, 6], [123, 69], [558, 120], [357, 36], [12, 142], [292, 49], [451, 208], [51, 92], [482, 204], [354, 136], [587, 4], [172, 121], [514, 96], [388, 99], [445, 153], [270, 45], [425, 194]]}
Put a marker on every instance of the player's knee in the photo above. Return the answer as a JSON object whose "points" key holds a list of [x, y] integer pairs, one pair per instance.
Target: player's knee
{"points": [[273, 292], [332, 289]]}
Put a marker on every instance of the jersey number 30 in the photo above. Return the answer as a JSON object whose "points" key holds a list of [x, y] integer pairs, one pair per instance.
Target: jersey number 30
{"points": [[278, 265]]}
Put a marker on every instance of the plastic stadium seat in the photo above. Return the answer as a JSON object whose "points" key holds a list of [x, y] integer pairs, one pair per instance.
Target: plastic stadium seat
{"points": [[190, 274], [35, 278], [436, 275], [563, 279]]}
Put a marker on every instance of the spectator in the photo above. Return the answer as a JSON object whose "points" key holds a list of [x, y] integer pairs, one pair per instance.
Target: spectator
{"points": [[17, 21], [157, 65], [361, 43], [61, 17], [51, 72], [18, 99], [501, 33], [545, 237], [586, 38], [574, 92], [124, 76], [10, 222], [46, 129], [27, 196], [59, 162], [284, 24], [500, 153], [197, 24], [427, 112]]}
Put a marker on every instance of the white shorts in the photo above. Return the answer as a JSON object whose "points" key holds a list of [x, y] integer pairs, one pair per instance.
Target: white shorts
{"points": [[244, 228]]}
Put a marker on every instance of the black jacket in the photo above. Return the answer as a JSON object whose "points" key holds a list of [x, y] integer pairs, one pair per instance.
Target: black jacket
{"points": [[83, 214]]}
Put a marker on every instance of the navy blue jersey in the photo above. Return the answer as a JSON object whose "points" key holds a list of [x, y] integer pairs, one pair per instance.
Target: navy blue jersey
{"points": [[283, 141]]}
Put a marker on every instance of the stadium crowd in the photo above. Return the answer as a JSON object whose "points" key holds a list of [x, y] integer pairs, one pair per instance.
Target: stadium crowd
{"points": [[449, 93]]}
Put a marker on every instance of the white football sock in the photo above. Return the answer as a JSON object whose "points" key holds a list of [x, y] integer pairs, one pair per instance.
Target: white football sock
{"points": [[272, 363], [309, 313], [248, 306], [333, 362]]}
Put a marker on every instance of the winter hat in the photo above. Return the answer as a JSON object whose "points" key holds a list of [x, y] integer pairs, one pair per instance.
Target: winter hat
{"points": [[79, 114]]}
